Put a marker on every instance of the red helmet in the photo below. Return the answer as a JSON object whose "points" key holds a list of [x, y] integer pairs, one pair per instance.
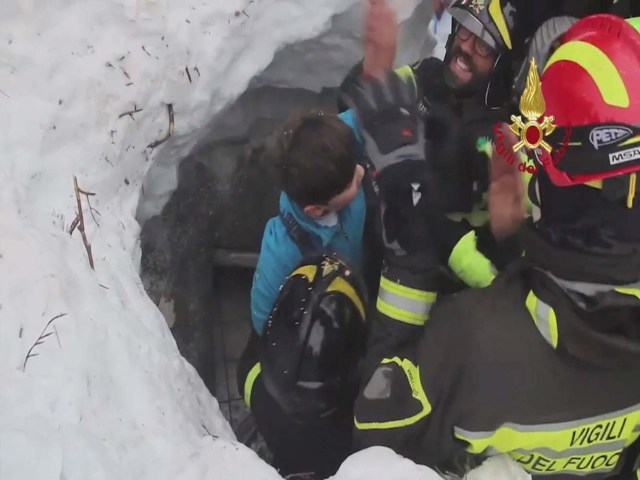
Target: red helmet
{"points": [[591, 86]]}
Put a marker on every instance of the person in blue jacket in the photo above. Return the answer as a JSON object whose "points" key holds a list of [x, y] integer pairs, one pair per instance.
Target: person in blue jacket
{"points": [[322, 203], [327, 208]]}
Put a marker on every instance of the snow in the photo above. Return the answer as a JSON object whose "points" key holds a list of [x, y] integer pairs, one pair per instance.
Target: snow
{"points": [[380, 463], [315, 62], [105, 393], [323, 62]]}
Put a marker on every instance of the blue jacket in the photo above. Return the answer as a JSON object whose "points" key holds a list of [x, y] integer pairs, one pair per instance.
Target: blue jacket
{"points": [[279, 254]]}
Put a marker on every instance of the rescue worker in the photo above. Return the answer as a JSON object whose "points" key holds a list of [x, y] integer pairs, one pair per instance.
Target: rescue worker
{"points": [[302, 386], [462, 98], [544, 364]]}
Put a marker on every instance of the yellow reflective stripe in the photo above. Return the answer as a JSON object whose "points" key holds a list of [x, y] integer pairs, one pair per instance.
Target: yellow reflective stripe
{"points": [[495, 9], [308, 271], [630, 141], [471, 266], [413, 376], [341, 285], [249, 381], [638, 474], [598, 65], [544, 317], [609, 429], [632, 190], [412, 293], [406, 73], [404, 304], [629, 291], [401, 315]]}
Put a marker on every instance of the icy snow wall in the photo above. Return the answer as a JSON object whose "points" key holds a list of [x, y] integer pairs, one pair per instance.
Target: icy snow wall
{"points": [[92, 384]]}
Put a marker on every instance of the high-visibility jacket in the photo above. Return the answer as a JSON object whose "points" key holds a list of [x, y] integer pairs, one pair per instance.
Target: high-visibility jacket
{"points": [[542, 365]]}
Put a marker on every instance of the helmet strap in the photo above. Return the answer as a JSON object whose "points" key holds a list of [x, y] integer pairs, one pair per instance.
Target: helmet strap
{"points": [[493, 78]]}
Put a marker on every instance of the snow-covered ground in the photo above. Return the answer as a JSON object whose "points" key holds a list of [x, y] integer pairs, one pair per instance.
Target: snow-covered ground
{"points": [[92, 384]]}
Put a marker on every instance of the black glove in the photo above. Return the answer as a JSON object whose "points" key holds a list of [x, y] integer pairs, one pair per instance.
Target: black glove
{"points": [[404, 191], [388, 118]]}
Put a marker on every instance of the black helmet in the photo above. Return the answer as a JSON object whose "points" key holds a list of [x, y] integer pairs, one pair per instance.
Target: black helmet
{"points": [[314, 339], [494, 22]]}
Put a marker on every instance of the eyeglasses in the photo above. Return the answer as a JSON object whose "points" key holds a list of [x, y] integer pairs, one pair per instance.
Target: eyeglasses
{"points": [[481, 47]]}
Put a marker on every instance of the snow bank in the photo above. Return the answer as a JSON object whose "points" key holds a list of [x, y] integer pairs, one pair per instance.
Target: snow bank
{"points": [[105, 393], [93, 386]]}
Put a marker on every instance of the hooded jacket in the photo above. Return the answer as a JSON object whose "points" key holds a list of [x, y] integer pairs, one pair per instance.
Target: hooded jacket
{"points": [[543, 365], [279, 254]]}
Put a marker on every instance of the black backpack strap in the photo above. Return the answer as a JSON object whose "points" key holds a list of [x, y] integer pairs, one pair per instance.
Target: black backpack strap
{"points": [[299, 235]]}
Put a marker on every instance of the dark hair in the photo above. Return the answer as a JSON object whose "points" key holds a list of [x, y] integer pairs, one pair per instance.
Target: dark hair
{"points": [[315, 158]]}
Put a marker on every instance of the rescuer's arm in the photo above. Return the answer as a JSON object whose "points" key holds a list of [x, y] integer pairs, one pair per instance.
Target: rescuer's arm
{"points": [[393, 133]]}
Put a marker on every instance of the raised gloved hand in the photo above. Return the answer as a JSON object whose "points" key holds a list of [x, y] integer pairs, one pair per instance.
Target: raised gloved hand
{"points": [[393, 131], [389, 120]]}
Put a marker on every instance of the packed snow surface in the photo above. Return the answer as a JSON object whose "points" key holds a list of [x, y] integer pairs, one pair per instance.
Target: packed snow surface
{"points": [[93, 386]]}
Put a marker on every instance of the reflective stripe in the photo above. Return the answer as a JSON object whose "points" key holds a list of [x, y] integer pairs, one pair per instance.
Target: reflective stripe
{"points": [[597, 448], [308, 271], [578, 447], [406, 73], [341, 285], [629, 291], [250, 380], [408, 292], [413, 377], [631, 141], [632, 190], [404, 304], [591, 289], [471, 266], [401, 315], [617, 425], [495, 10], [544, 317]]}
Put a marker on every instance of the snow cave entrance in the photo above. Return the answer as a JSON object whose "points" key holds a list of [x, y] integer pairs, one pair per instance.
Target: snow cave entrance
{"points": [[200, 249], [199, 253]]}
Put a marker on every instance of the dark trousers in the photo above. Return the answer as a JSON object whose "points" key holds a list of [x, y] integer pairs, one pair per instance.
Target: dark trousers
{"points": [[319, 447]]}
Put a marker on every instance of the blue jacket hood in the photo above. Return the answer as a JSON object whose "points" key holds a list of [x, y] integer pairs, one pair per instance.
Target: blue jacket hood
{"points": [[326, 233]]}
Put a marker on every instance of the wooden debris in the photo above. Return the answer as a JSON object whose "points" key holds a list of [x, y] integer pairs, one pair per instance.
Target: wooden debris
{"points": [[80, 224], [172, 129]]}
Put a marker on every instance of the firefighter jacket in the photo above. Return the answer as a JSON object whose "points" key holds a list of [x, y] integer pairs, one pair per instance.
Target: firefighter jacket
{"points": [[543, 365], [458, 130]]}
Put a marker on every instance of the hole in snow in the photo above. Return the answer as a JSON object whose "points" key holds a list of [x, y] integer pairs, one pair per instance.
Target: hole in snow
{"points": [[217, 215], [203, 216], [200, 241]]}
